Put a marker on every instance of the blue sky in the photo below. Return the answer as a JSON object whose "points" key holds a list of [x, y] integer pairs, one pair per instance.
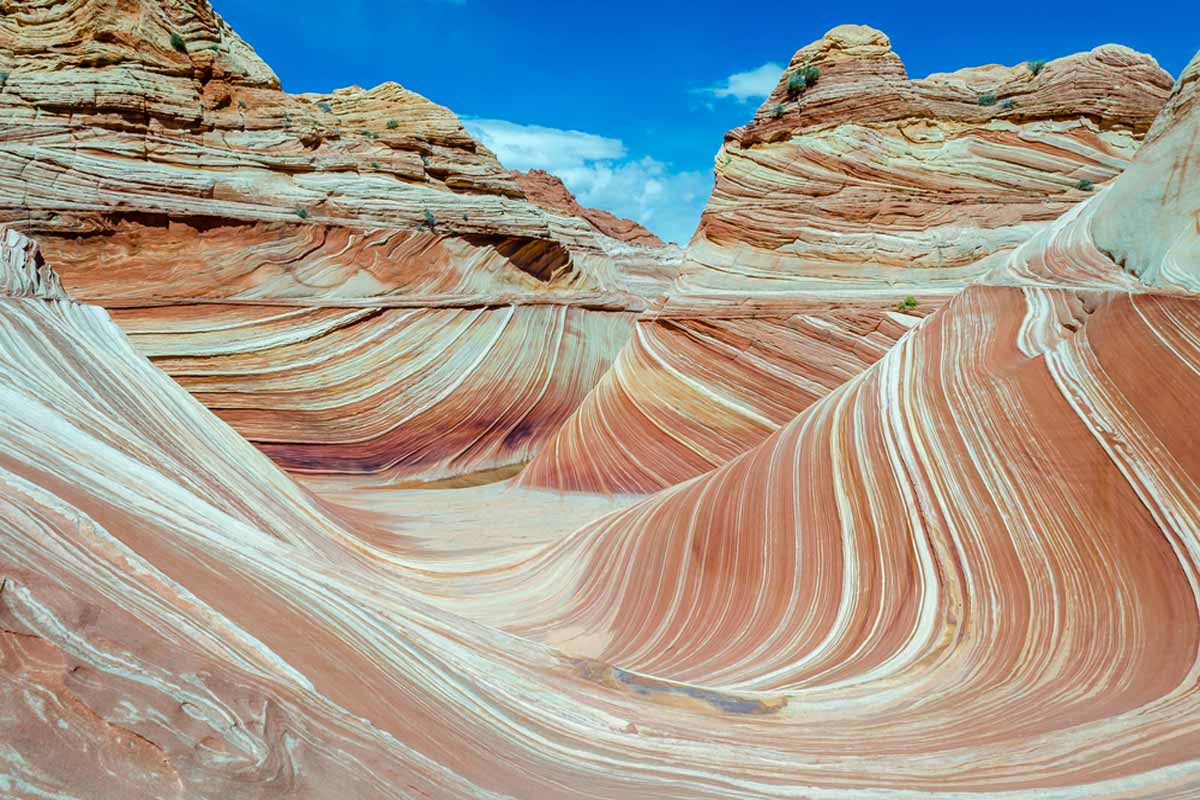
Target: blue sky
{"points": [[618, 97]]}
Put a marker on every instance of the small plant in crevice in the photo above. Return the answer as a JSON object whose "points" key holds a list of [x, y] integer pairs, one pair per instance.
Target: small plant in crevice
{"points": [[800, 80], [242, 104], [374, 165], [302, 213], [178, 43], [328, 109], [795, 86], [393, 124], [3, 79], [425, 159], [1085, 185], [777, 112], [986, 99], [1008, 104], [1035, 66], [907, 304], [430, 219]]}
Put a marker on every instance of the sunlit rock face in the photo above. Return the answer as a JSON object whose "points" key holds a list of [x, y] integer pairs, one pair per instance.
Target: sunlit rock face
{"points": [[968, 571], [845, 212], [240, 229]]}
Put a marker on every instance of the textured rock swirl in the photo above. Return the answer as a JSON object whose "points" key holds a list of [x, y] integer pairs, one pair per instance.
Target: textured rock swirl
{"points": [[687, 394], [158, 163], [831, 209], [890, 560], [970, 570], [23, 271], [394, 393]]}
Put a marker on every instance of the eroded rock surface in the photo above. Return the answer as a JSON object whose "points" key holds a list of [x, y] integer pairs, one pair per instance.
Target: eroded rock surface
{"points": [[239, 228], [845, 211], [970, 569], [872, 601]]}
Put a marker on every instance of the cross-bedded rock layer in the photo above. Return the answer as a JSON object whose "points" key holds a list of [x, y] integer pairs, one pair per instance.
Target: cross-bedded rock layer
{"points": [[843, 213], [970, 569], [238, 228], [981, 547]]}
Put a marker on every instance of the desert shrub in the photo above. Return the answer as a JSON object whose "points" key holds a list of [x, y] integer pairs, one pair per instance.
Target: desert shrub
{"points": [[302, 213], [3, 78], [777, 112], [430, 219], [1009, 103], [986, 99], [393, 124], [178, 43], [1085, 185], [795, 86], [374, 165], [907, 304], [1035, 66], [801, 79], [328, 109]]}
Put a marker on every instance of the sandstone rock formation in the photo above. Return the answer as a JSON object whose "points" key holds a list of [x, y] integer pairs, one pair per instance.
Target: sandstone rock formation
{"points": [[549, 192], [966, 563], [842, 214], [240, 230], [898, 535], [927, 176], [981, 547]]}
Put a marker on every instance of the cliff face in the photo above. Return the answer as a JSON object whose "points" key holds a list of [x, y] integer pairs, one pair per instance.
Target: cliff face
{"points": [[856, 202], [265, 248]]}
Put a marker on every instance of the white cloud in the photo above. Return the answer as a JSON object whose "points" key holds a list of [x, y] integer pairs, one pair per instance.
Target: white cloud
{"points": [[598, 170], [534, 146], [753, 84]]}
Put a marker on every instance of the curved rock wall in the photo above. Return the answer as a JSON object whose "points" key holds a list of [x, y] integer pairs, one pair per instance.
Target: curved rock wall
{"points": [[157, 162], [981, 547], [845, 212]]}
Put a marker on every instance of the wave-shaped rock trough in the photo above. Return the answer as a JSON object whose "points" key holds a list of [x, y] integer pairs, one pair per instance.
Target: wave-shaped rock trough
{"points": [[965, 565]]}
